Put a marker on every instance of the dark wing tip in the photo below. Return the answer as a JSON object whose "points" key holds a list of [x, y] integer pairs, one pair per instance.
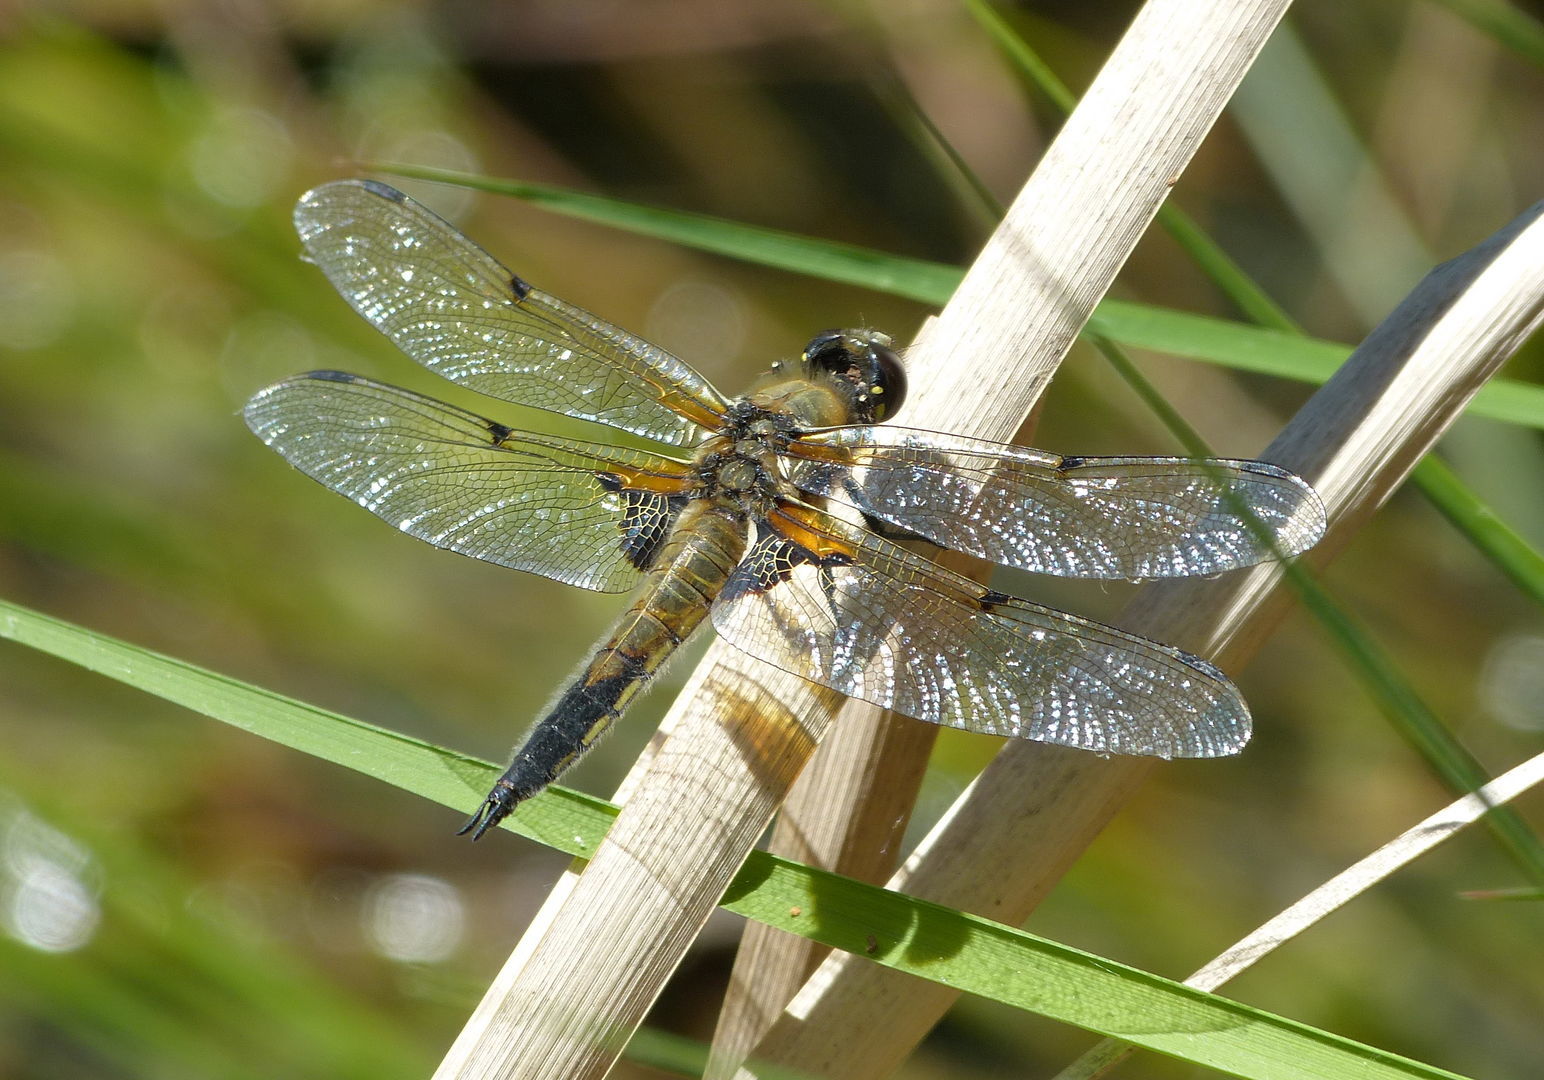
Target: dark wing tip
{"points": [[385, 191], [374, 187], [328, 375]]}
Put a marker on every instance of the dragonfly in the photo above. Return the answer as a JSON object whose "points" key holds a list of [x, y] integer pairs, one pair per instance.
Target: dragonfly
{"points": [[734, 519]]}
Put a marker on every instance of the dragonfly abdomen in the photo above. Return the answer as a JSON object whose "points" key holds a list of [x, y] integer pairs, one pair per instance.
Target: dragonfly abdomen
{"points": [[673, 600]]}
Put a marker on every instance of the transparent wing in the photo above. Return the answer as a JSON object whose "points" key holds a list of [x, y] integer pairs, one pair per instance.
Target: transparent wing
{"points": [[834, 604], [452, 307], [567, 510], [1100, 517]]}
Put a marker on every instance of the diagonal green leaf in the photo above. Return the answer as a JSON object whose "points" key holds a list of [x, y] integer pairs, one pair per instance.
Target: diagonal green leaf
{"points": [[923, 939], [1507, 550], [1509, 25], [1406, 711], [1200, 337], [916, 279]]}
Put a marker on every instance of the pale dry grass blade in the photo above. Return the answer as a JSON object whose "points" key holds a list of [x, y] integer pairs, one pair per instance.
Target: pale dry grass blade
{"points": [[567, 1000], [847, 813], [1331, 896], [981, 369], [1035, 808]]}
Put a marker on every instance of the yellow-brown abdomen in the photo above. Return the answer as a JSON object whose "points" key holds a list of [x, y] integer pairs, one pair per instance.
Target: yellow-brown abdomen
{"points": [[674, 598]]}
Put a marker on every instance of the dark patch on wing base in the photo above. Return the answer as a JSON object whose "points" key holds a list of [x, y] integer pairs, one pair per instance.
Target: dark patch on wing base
{"points": [[771, 560], [646, 519], [895, 532], [499, 431]]}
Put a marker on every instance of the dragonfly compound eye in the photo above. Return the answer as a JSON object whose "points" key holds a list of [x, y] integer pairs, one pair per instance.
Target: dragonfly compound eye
{"points": [[864, 360]]}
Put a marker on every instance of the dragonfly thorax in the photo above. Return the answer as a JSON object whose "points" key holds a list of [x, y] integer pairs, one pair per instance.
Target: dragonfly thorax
{"points": [[739, 475], [740, 463]]}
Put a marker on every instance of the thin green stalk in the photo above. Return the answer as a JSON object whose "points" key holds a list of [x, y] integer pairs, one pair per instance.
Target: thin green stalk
{"points": [[1396, 698], [1200, 337], [1506, 550]]}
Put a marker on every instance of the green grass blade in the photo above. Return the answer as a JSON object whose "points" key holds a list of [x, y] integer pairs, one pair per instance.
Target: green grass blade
{"points": [[1199, 337], [1507, 550], [1507, 24], [949, 163], [1253, 301], [916, 279], [1021, 56], [964, 951], [1394, 694], [1287, 355]]}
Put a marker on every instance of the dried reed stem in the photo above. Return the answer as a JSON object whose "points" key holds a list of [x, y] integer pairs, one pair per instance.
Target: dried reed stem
{"points": [[576, 988], [993, 350]]}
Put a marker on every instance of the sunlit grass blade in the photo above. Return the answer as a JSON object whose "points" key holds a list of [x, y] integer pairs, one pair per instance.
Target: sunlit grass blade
{"points": [[1392, 691], [915, 279], [1508, 24], [926, 940], [1503, 546], [1336, 893], [1198, 337], [436, 773]]}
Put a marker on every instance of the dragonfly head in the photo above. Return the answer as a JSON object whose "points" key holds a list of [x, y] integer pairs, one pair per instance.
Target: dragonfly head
{"points": [[864, 369]]}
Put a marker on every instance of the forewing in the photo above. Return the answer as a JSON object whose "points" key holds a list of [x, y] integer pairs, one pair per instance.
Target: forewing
{"points": [[835, 604], [452, 307], [1100, 517], [567, 510]]}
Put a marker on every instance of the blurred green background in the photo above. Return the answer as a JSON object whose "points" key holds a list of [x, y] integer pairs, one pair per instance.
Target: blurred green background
{"points": [[179, 898]]}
